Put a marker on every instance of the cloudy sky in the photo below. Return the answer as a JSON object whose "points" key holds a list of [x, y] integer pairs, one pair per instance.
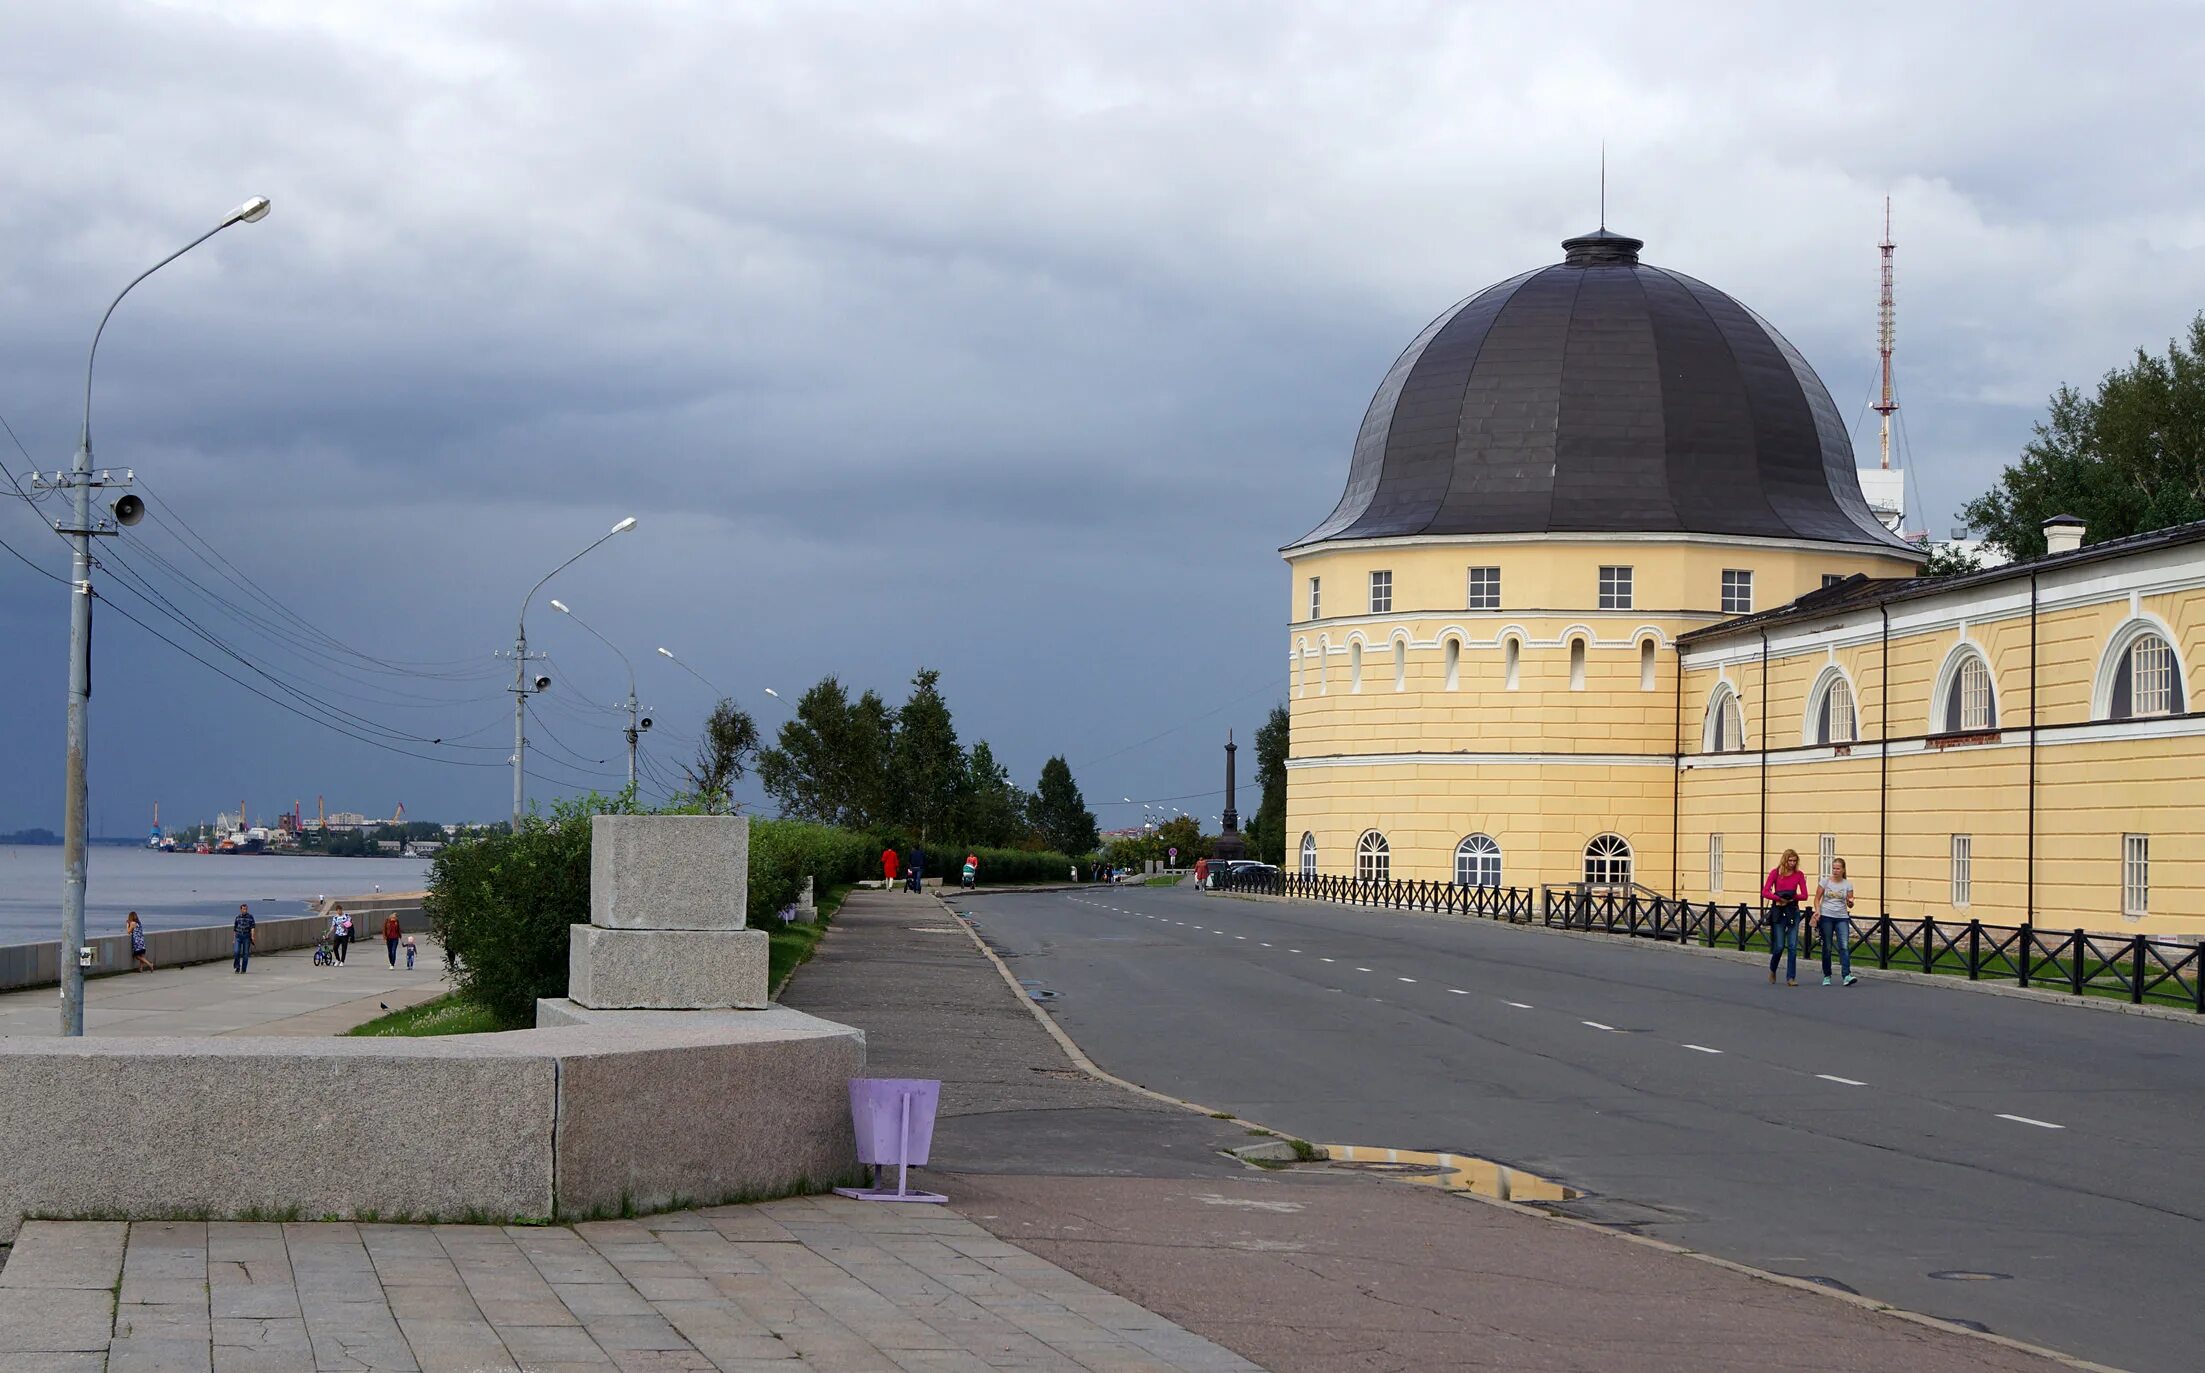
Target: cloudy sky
{"points": [[1010, 339]]}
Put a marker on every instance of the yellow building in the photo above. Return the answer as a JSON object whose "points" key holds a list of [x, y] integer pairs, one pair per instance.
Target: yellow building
{"points": [[1602, 603]]}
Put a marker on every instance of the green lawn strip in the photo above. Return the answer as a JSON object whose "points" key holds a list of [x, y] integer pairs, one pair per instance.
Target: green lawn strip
{"points": [[446, 1015], [1169, 879], [792, 946]]}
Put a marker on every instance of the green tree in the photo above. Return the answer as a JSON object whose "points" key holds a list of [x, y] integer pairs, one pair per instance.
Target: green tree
{"points": [[995, 806], [829, 762], [724, 754], [1267, 827], [926, 768], [1950, 560], [1184, 833], [2126, 461], [1060, 812]]}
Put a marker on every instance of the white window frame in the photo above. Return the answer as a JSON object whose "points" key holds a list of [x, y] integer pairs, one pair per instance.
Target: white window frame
{"points": [[1316, 597], [1826, 852], [1373, 858], [1824, 698], [2135, 875], [1966, 699], [1309, 854], [1963, 870], [1714, 864], [1724, 716], [1615, 587], [1482, 589], [2124, 651], [1737, 591], [1483, 854], [1609, 855], [1381, 591]]}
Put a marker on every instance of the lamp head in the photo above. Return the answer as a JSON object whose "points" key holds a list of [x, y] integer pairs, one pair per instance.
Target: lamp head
{"points": [[774, 694], [561, 607], [624, 526], [668, 653], [251, 212]]}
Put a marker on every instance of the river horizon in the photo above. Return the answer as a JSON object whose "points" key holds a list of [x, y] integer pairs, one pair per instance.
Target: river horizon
{"points": [[172, 891]]}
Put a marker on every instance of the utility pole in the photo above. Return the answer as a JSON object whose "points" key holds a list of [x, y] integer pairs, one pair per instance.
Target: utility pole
{"points": [[523, 685], [637, 720], [80, 529]]}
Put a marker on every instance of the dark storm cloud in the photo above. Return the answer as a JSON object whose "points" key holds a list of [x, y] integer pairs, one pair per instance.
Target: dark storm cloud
{"points": [[1011, 339]]}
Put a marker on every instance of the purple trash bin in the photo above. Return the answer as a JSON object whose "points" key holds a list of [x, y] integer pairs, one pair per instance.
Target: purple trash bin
{"points": [[894, 1121]]}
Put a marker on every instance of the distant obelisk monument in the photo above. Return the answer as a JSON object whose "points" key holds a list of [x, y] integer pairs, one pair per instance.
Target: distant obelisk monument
{"points": [[1228, 843]]}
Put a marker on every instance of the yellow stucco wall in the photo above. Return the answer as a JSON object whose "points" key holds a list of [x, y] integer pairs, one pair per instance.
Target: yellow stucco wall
{"points": [[1544, 766]]}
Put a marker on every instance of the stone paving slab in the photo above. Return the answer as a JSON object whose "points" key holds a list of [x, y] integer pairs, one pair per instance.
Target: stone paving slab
{"points": [[810, 1283]]}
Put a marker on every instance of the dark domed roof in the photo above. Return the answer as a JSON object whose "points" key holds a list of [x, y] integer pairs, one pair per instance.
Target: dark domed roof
{"points": [[1602, 395]]}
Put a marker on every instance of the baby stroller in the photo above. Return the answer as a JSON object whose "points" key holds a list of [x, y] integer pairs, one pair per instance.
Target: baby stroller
{"points": [[325, 954]]}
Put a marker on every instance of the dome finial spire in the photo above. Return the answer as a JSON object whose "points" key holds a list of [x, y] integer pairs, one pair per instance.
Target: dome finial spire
{"points": [[1603, 185]]}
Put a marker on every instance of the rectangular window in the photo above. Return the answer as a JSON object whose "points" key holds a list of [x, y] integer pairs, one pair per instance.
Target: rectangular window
{"points": [[1714, 863], [1381, 593], [1485, 588], [1737, 591], [2135, 875], [1826, 853], [1615, 588], [1963, 868], [1830, 579], [1315, 601]]}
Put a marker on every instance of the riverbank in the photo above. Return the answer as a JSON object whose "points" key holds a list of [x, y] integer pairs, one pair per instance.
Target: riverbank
{"points": [[173, 891]]}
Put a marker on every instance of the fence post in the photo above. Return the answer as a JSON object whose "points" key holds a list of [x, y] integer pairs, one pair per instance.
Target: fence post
{"points": [[1883, 940], [1975, 949], [1929, 943], [1741, 927], [2028, 950], [2197, 976], [2136, 970], [2075, 966]]}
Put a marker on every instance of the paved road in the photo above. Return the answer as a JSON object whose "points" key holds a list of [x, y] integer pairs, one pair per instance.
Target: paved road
{"points": [[1870, 1136]]}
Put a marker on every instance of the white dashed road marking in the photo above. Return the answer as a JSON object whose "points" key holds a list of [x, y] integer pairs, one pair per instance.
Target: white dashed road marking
{"points": [[1328, 960], [1362, 970], [1404, 979], [1519, 1005], [2024, 1120], [1702, 1048], [1458, 991], [1598, 1026], [1842, 1081]]}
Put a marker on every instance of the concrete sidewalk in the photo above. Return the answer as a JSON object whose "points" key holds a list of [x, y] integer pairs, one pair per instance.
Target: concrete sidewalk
{"points": [[821, 1283], [282, 994], [1307, 1270]]}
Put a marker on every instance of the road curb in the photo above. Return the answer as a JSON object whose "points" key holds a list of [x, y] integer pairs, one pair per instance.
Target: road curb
{"points": [[1087, 1065], [1950, 982]]}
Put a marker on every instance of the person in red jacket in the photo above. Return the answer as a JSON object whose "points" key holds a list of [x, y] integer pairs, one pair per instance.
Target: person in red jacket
{"points": [[390, 936], [888, 867], [1784, 890]]}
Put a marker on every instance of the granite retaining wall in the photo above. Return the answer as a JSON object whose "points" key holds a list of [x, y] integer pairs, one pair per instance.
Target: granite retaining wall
{"points": [[39, 965]]}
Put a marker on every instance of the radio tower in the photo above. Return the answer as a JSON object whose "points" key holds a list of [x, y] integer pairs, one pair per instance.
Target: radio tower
{"points": [[1885, 405]]}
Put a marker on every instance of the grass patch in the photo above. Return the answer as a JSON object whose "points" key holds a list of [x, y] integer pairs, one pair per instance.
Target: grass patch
{"points": [[1168, 879], [792, 946], [445, 1015]]}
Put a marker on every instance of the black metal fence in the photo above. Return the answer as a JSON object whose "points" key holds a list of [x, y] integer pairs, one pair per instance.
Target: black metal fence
{"points": [[2137, 969]]}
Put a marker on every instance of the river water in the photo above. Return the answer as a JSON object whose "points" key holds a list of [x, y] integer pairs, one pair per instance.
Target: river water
{"points": [[176, 890]]}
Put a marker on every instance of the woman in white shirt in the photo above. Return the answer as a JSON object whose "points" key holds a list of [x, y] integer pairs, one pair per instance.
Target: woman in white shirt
{"points": [[1834, 925]]}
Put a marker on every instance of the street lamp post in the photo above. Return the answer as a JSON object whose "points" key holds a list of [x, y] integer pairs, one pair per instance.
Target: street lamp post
{"points": [[717, 694], [522, 687], [81, 481], [636, 723]]}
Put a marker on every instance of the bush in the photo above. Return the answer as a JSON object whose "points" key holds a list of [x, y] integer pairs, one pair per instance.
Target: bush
{"points": [[783, 852], [998, 867]]}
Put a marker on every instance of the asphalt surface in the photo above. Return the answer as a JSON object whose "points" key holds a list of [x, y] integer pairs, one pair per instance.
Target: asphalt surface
{"points": [[1871, 1137]]}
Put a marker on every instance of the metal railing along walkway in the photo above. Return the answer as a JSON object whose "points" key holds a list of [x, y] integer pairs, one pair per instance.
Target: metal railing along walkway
{"points": [[2138, 969]]}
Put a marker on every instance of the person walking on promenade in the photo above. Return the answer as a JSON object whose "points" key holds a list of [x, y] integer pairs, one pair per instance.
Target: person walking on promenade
{"points": [[135, 928], [1784, 889], [888, 868], [241, 953], [411, 950], [972, 869], [917, 869], [1834, 906], [390, 936], [340, 932]]}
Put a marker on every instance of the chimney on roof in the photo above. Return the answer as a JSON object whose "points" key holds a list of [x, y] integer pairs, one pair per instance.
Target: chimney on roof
{"points": [[2062, 534]]}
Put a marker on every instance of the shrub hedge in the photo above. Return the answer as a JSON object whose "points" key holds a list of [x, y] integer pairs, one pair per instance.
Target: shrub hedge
{"points": [[500, 904]]}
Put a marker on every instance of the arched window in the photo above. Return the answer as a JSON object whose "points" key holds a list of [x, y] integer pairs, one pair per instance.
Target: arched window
{"points": [[1969, 703], [1355, 666], [1324, 662], [1373, 860], [1309, 854], [1724, 730], [1454, 664], [1831, 717], [1646, 665], [1400, 665], [1478, 862], [1577, 665], [1301, 652], [1608, 861], [2142, 677], [1512, 656]]}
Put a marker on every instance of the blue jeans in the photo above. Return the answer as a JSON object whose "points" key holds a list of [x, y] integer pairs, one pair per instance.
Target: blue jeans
{"points": [[1784, 944], [1840, 933], [242, 954]]}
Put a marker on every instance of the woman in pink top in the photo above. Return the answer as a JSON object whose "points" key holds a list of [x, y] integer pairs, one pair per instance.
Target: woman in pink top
{"points": [[1785, 888]]}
